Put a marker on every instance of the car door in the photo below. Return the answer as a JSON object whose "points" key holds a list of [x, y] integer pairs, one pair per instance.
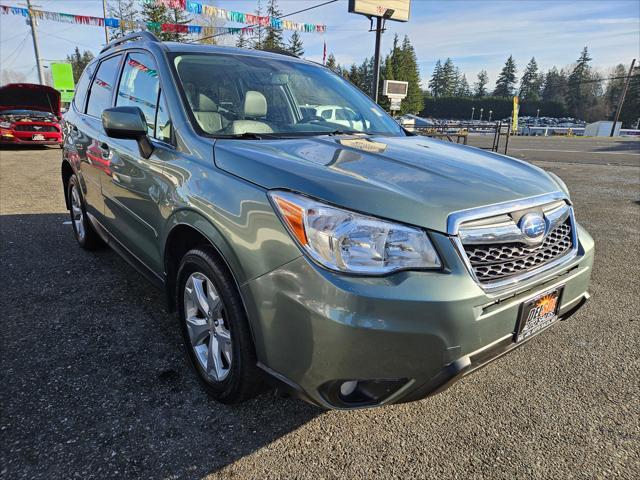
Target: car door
{"points": [[134, 188], [85, 133]]}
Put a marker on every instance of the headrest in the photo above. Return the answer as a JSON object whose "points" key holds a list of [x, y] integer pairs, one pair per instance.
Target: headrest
{"points": [[255, 105], [205, 104]]}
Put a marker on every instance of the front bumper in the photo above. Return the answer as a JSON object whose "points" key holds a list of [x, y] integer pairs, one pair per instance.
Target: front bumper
{"points": [[409, 335], [14, 137]]}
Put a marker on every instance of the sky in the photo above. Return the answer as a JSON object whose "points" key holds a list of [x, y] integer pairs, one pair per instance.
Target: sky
{"points": [[476, 34]]}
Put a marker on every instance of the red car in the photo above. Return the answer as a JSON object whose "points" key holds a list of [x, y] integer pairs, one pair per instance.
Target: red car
{"points": [[29, 115]]}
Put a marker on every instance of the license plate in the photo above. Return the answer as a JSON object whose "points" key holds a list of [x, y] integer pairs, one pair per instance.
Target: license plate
{"points": [[538, 313], [38, 136]]}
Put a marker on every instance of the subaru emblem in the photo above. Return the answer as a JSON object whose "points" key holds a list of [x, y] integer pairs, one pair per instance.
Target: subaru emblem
{"points": [[533, 227]]}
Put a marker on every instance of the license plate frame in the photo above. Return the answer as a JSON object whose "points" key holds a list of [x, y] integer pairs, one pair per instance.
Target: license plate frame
{"points": [[538, 313], [38, 137]]}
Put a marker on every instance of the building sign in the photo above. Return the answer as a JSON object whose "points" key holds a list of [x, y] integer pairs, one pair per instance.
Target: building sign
{"points": [[397, 10], [62, 75]]}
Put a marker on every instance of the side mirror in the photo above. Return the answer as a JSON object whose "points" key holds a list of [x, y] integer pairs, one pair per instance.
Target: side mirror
{"points": [[129, 123]]}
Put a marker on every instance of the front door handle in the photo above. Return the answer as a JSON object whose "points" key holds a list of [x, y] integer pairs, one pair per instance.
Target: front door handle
{"points": [[104, 148]]}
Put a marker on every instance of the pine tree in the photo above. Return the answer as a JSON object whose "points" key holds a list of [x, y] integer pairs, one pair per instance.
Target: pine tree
{"points": [[630, 113], [463, 87], [614, 89], [295, 45], [530, 82], [78, 62], [435, 84], [155, 14], [177, 16], [414, 103], [480, 87], [580, 92], [127, 12], [258, 38], [273, 35], [449, 78], [242, 41], [331, 63], [554, 86], [505, 85]]}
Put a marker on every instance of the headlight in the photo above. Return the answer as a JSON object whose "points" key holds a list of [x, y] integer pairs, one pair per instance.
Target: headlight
{"points": [[349, 242], [5, 124]]}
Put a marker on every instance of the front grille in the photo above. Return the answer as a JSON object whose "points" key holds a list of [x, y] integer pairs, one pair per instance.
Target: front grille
{"points": [[492, 262], [35, 128]]}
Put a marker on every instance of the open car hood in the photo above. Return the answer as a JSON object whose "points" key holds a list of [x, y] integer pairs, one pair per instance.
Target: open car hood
{"points": [[30, 96]]}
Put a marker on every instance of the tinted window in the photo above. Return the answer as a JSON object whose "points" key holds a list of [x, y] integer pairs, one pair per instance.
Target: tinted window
{"points": [[139, 86], [82, 88], [163, 122], [326, 114], [102, 86]]}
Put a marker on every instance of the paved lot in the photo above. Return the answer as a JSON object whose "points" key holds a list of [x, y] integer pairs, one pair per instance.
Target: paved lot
{"points": [[95, 384]]}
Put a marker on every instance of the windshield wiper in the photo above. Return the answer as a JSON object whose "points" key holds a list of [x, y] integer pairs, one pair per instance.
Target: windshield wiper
{"points": [[341, 132], [249, 136]]}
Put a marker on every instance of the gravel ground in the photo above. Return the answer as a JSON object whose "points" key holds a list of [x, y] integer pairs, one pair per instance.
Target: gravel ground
{"points": [[95, 383]]}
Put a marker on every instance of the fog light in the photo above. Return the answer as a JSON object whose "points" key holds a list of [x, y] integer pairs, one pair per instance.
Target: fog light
{"points": [[347, 388]]}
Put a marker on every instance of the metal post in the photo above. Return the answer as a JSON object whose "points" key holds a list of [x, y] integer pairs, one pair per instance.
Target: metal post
{"points": [[376, 59], [624, 94], [36, 49], [104, 13], [473, 109]]}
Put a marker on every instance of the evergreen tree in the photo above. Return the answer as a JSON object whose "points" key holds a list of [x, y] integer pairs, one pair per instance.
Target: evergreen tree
{"points": [[480, 87], [580, 94], [295, 45], [505, 85], [449, 78], [463, 87], [242, 41], [630, 113], [273, 36], [157, 14], [435, 84], [555, 86], [614, 89], [331, 63], [530, 82], [123, 10], [78, 62], [414, 103], [258, 38]]}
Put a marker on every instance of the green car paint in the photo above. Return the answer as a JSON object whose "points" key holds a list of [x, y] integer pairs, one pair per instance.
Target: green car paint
{"points": [[404, 335]]}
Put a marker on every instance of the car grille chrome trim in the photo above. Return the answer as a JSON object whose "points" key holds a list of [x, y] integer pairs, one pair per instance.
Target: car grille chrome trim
{"points": [[25, 127], [498, 255]]}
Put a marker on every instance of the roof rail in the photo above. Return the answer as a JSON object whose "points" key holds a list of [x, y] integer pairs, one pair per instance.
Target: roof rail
{"points": [[281, 51], [143, 35]]}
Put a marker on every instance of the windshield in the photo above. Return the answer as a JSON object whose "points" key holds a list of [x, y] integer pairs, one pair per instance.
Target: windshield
{"points": [[243, 95]]}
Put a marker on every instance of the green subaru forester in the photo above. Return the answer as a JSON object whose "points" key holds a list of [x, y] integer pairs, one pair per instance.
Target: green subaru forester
{"points": [[302, 235]]}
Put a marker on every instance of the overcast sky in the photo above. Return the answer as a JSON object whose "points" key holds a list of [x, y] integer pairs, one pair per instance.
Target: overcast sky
{"points": [[476, 34]]}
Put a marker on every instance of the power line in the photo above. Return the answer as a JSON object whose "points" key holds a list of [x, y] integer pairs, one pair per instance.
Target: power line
{"points": [[257, 24]]}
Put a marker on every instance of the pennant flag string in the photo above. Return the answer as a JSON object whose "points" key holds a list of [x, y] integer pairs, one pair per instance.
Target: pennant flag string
{"points": [[188, 5], [198, 8]]}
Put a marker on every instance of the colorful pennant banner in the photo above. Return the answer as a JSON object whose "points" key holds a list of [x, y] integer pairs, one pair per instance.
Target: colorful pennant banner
{"points": [[198, 8], [190, 6]]}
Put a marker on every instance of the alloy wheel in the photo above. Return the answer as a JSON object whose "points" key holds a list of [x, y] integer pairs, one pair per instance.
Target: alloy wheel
{"points": [[77, 213], [208, 329]]}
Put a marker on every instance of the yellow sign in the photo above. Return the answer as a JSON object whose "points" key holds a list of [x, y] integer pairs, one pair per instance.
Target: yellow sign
{"points": [[514, 117]]}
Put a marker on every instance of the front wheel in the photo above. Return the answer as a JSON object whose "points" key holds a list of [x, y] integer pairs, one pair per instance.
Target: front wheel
{"points": [[215, 328]]}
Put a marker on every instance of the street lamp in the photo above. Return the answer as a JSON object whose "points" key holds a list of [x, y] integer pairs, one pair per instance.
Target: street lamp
{"points": [[490, 112], [473, 109], [537, 116], [481, 110]]}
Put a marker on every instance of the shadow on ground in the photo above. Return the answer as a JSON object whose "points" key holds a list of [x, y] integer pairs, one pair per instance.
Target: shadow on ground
{"points": [[95, 382]]}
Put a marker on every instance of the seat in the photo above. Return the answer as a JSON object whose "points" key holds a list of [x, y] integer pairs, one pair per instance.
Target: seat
{"points": [[254, 108], [207, 114]]}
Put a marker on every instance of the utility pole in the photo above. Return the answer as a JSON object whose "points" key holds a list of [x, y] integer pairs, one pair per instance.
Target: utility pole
{"points": [[104, 13], [376, 58], [624, 94], [36, 49]]}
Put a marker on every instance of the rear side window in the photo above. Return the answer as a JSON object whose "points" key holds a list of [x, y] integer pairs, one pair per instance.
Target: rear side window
{"points": [[139, 86], [103, 86], [83, 87], [326, 114]]}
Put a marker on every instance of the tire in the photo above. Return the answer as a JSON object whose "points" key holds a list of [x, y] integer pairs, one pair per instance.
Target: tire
{"points": [[219, 343], [84, 232]]}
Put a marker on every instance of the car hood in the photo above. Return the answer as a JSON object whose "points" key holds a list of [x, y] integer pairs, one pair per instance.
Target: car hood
{"points": [[30, 96], [411, 179]]}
